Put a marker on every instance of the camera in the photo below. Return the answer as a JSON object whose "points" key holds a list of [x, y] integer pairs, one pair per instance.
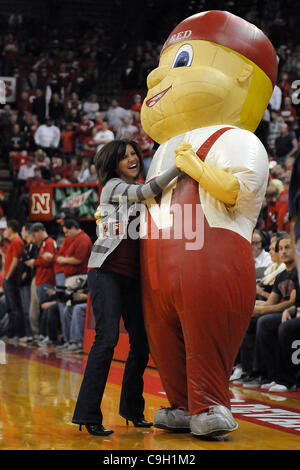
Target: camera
{"points": [[64, 294]]}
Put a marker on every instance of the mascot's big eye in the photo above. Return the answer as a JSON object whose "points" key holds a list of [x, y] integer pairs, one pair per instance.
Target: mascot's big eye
{"points": [[184, 56]]}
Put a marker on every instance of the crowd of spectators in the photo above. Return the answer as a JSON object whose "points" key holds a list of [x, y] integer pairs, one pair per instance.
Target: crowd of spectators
{"points": [[44, 287], [50, 136]]}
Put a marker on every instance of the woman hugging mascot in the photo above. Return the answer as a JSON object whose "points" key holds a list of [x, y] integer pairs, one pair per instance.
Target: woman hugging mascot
{"points": [[205, 99]]}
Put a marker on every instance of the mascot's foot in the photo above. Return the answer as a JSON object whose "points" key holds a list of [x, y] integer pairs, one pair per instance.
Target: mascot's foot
{"points": [[217, 420], [172, 419]]}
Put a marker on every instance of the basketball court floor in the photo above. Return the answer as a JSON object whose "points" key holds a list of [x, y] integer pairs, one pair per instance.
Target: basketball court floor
{"points": [[38, 391]]}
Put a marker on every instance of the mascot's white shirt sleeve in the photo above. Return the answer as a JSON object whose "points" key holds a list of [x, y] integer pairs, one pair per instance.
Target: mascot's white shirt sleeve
{"points": [[237, 151]]}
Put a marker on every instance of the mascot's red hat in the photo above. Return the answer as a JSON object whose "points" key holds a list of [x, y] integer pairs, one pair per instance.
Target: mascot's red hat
{"points": [[226, 29]]}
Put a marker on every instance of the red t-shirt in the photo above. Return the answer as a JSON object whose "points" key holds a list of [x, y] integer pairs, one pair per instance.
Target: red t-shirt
{"points": [[44, 268], [14, 250], [79, 248], [58, 268], [67, 139]]}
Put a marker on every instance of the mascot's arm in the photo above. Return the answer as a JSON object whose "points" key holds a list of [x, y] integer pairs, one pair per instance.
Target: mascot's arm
{"points": [[221, 184]]}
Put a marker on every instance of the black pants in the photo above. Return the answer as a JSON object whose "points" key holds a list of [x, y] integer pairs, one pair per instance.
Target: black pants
{"points": [[113, 296], [275, 347], [49, 324], [15, 312]]}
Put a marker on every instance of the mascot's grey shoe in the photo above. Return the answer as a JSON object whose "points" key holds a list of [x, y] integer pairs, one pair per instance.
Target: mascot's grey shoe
{"points": [[217, 420], [172, 419]]}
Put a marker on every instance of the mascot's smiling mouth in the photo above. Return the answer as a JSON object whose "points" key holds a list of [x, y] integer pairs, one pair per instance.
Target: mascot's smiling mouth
{"points": [[152, 101]]}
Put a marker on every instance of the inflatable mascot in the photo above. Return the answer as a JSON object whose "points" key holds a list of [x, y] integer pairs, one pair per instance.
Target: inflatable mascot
{"points": [[205, 99]]}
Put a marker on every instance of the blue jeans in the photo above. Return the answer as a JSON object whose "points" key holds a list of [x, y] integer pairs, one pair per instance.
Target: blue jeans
{"points": [[73, 323], [41, 291], [113, 296]]}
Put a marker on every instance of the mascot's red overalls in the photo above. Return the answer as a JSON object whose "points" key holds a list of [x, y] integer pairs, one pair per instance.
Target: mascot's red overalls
{"points": [[206, 98]]}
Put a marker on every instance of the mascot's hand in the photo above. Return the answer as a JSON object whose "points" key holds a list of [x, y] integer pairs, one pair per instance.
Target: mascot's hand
{"points": [[97, 215], [187, 161], [221, 184]]}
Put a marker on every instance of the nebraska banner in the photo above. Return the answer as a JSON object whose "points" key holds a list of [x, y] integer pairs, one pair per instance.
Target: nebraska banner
{"points": [[47, 202]]}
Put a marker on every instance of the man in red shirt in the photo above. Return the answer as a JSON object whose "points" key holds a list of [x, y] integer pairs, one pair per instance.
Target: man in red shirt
{"points": [[10, 284], [78, 251], [74, 262], [44, 263]]}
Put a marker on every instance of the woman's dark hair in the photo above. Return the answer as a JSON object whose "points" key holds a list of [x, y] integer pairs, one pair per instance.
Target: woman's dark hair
{"points": [[107, 158]]}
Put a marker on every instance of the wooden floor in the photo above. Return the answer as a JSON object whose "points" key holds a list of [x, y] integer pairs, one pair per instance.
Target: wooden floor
{"points": [[38, 390]]}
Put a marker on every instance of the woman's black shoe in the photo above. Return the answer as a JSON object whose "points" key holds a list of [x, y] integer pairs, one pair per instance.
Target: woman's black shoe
{"points": [[97, 429], [140, 423]]}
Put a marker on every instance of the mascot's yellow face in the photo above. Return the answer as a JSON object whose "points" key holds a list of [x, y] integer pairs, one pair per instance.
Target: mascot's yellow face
{"points": [[198, 84]]}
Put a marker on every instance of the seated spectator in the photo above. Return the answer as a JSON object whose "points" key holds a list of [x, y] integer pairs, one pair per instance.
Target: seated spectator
{"points": [[103, 137], [286, 144], [98, 121], [74, 103], [15, 140], [258, 361], [71, 167], [27, 170], [288, 113], [43, 162], [47, 137], [262, 258], [50, 325], [127, 128], [93, 178], [137, 103], [264, 286], [73, 117], [24, 103], [83, 130], [146, 144], [280, 337], [60, 179], [57, 166], [91, 107], [115, 114], [74, 322], [84, 171], [37, 180], [275, 126]]}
